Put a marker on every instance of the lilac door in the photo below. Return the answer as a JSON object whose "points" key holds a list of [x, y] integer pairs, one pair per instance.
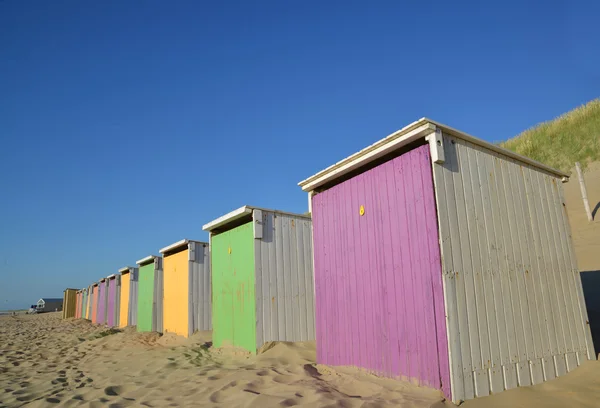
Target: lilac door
{"points": [[379, 297], [112, 299], [101, 313]]}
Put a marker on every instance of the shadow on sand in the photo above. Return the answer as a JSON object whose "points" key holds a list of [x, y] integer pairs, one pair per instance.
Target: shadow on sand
{"points": [[590, 281]]}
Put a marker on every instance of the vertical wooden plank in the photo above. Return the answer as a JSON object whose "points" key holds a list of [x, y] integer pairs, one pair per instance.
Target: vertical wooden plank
{"points": [[298, 307], [334, 327], [404, 281], [340, 285], [557, 336], [284, 273], [493, 290], [442, 179], [360, 295], [391, 266], [505, 258], [521, 259], [534, 346], [372, 224], [273, 284], [467, 161], [562, 326], [455, 201], [407, 260], [515, 278], [349, 208], [533, 274], [545, 284]]}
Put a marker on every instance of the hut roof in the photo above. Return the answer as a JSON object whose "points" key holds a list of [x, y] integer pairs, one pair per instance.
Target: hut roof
{"points": [[420, 129], [179, 244], [241, 212]]}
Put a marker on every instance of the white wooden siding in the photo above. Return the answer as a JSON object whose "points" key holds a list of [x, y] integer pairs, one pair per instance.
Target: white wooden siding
{"points": [[514, 302]]}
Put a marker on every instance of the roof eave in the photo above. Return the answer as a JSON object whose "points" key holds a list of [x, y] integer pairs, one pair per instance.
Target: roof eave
{"points": [[176, 245], [396, 140], [416, 130], [227, 218], [146, 260]]}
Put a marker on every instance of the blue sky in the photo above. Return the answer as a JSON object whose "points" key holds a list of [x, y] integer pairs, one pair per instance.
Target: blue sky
{"points": [[125, 125]]}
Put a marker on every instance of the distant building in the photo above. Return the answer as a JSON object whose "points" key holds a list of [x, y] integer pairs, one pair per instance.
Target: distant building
{"points": [[49, 305]]}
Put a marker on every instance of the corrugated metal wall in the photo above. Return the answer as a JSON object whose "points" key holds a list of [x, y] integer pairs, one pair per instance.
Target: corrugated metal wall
{"points": [[377, 273], [157, 312], [133, 297], [69, 303], [512, 289], [200, 316], [284, 279]]}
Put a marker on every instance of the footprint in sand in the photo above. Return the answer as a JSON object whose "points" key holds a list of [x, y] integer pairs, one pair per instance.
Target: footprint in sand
{"points": [[113, 390], [216, 397], [283, 379]]}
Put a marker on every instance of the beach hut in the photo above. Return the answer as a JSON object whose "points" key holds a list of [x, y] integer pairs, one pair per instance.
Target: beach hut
{"points": [[79, 303], [102, 301], [49, 305], [69, 303], [150, 294], [94, 304], [446, 260], [186, 286], [262, 281], [76, 304], [88, 307], [129, 296], [113, 301], [84, 304]]}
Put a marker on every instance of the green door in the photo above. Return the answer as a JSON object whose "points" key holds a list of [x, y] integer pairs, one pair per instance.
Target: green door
{"points": [[234, 310], [145, 297]]}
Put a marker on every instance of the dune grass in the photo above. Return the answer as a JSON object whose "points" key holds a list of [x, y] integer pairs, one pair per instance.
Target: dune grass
{"points": [[559, 143]]}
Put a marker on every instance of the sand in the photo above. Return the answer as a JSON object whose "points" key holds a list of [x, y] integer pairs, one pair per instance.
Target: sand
{"points": [[586, 235], [46, 361]]}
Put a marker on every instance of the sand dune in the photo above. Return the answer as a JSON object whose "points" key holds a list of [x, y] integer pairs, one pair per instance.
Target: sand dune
{"points": [[586, 235]]}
